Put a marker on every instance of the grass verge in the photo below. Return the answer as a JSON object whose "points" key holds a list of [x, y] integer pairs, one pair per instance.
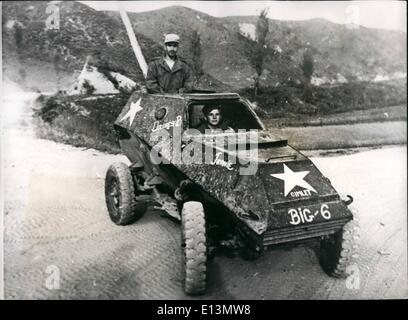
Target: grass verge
{"points": [[88, 122], [317, 101], [393, 113], [344, 136], [82, 122]]}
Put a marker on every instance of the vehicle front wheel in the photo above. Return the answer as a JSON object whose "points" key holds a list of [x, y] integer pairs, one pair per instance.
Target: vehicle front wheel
{"points": [[120, 195], [338, 250], [194, 247]]}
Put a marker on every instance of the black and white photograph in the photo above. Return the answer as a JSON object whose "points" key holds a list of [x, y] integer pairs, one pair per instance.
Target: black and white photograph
{"points": [[203, 150]]}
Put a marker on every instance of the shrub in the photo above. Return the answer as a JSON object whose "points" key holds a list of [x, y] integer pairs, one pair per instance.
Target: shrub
{"points": [[89, 88], [285, 101], [58, 121]]}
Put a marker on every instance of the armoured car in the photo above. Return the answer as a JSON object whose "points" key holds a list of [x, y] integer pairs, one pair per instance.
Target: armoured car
{"points": [[239, 191]]}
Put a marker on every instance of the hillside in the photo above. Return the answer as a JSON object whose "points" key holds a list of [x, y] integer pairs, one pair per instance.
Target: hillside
{"points": [[83, 32], [39, 58], [340, 54], [224, 50]]}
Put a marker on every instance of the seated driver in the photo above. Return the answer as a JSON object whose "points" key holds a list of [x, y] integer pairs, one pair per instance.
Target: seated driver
{"points": [[214, 121]]}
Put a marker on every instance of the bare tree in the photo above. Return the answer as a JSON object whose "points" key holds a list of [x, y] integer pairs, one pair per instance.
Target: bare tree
{"points": [[18, 38], [260, 48], [352, 79], [56, 60], [307, 67], [197, 55]]}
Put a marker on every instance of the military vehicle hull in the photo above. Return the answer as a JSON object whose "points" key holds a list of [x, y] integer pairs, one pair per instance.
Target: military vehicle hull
{"points": [[283, 198]]}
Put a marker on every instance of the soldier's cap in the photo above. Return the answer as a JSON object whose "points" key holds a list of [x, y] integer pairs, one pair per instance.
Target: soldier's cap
{"points": [[210, 107], [171, 37]]}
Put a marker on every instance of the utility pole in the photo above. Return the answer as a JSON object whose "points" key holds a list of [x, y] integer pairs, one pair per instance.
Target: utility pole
{"points": [[133, 41]]}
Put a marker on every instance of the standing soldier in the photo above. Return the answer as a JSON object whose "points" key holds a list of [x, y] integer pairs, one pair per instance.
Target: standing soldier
{"points": [[169, 73]]}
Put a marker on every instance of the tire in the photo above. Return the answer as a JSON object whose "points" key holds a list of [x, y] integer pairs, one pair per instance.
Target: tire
{"points": [[120, 195], [337, 252], [194, 247]]}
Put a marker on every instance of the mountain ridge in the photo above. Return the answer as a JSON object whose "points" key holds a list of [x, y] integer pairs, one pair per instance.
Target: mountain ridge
{"points": [[340, 54]]}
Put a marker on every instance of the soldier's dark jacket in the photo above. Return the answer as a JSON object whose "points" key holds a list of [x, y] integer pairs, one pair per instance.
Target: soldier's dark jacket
{"points": [[224, 125], [160, 79]]}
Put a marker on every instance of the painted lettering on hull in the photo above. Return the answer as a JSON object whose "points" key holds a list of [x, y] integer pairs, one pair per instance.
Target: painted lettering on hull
{"points": [[303, 193], [167, 125], [220, 162], [304, 215]]}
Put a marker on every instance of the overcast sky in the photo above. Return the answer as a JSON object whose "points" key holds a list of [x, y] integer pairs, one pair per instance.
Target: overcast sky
{"points": [[372, 14]]}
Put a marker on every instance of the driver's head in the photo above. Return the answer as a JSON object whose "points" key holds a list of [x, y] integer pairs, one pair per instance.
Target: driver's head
{"points": [[171, 44], [213, 115]]}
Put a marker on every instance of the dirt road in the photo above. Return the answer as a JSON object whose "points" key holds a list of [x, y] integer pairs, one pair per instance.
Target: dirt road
{"points": [[59, 242]]}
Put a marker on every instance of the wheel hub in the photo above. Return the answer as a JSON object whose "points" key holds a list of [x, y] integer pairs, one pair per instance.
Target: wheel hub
{"points": [[114, 195]]}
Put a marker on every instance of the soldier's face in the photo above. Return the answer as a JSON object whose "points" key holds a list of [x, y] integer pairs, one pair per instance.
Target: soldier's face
{"points": [[171, 49], [214, 117]]}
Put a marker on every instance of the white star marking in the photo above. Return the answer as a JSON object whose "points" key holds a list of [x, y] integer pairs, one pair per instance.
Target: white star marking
{"points": [[293, 179], [133, 109]]}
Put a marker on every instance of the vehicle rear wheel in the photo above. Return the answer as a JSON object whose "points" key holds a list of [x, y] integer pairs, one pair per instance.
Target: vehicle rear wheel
{"points": [[194, 246], [337, 251], [120, 195]]}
